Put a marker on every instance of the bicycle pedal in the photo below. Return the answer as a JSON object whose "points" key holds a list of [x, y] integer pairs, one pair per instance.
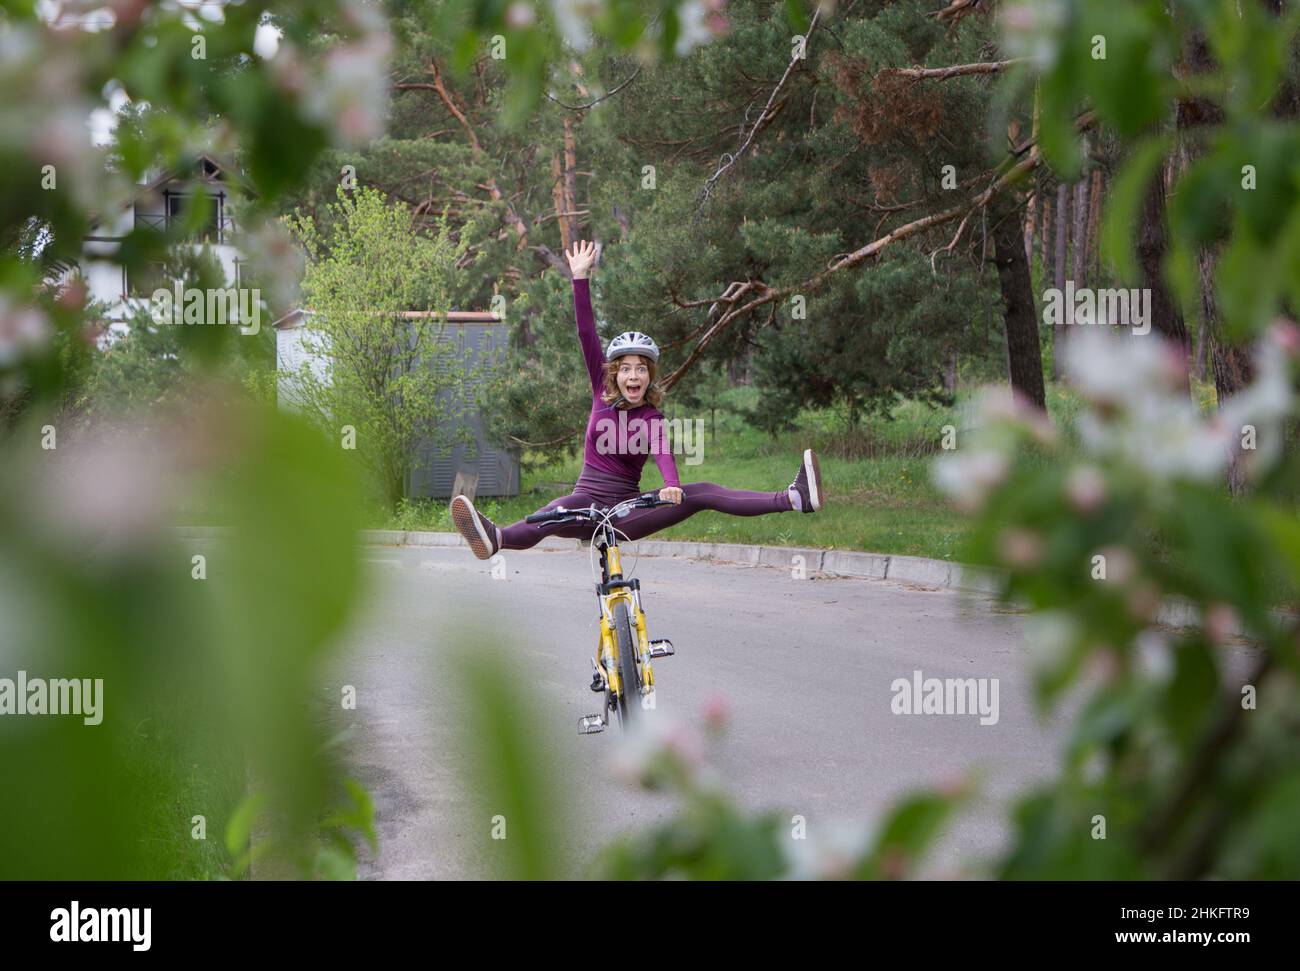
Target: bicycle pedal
{"points": [[662, 648], [597, 683], [591, 724]]}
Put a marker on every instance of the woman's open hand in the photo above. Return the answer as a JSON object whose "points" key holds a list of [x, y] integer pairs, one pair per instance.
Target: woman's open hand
{"points": [[581, 258], [671, 493]]}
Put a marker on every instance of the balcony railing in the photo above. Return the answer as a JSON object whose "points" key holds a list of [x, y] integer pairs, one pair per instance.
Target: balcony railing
{"points": [[152, 275], [216, 231]]}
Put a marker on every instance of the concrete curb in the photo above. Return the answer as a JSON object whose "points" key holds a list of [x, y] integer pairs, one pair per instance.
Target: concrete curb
{"points": [[838, 563], [914, 571], [847, 563], [920, 571]]}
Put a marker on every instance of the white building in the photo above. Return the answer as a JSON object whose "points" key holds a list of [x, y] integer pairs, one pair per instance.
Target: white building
{"points": [[159, 204], [162, 201]]}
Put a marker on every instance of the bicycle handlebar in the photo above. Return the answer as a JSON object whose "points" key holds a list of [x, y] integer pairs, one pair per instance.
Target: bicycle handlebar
{"points": [[647, 500]]}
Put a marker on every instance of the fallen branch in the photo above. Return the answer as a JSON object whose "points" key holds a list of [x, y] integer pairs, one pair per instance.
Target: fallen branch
{"points": [[769, 294], [952, 71]]}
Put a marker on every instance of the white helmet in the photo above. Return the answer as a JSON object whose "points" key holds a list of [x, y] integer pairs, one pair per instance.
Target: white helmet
{"points": [[632, 342]]}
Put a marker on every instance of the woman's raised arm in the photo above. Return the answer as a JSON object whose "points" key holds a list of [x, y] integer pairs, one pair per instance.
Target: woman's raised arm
{"points": [[580, 261], [662, 450]]}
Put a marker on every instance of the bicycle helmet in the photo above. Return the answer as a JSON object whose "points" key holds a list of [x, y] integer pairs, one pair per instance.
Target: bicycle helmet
{"points": [[632, 342]]}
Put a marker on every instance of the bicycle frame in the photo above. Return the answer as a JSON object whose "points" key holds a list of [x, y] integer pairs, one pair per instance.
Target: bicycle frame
{"points": [[610, 591]]}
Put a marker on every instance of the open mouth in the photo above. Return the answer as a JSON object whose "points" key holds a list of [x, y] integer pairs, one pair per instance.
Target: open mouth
{"points": [[633, 390]]}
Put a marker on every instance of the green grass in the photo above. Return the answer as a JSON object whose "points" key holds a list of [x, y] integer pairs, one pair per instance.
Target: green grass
{"points": [[176, 776], [879, 495]]}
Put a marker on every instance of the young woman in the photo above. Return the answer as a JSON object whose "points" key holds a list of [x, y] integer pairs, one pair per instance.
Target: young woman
{"points": [[623, 380]]}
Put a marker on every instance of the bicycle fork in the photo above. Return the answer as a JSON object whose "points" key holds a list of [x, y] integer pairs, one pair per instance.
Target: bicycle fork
{"points": [[606, 664]]}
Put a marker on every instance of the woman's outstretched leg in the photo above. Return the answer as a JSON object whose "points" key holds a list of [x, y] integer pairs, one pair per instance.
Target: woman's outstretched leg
{"points": [[523, 536], [486, 537], [805, 494], [697, 497]]}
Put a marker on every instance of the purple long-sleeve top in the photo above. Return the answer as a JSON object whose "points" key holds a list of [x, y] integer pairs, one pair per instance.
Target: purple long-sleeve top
{"points": [[617, 440]]}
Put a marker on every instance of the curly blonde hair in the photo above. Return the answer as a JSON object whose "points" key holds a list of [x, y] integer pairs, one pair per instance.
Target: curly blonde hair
{"points": [[610, 393]]}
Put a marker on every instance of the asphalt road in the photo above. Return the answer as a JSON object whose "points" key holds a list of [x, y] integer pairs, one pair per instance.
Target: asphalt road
{"points": [[805, 668]]}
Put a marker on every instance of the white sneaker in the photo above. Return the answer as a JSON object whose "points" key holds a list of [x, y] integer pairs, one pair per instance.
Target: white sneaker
{"points": [[807, 485], [482, 535]]}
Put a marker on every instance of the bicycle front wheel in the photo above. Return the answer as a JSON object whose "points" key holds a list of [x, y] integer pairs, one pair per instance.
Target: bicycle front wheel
{"points": [[628, 672]]}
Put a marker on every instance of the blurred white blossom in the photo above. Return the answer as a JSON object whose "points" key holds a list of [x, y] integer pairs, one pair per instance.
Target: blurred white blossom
{"points": [[694, 19], [280, 263], [968, 476], [1139, 412], [23, 329], [655, 744], [62, 138], [351, 93], [1153, 652], [266, 40], [520, 15], [364, 16], [1121, 565], [1085, 488], [573, 17], [112, 490], [1051, 635], [1020, 548], [1110, 368], [1267, 401], [828, 851], [1032, 29]]}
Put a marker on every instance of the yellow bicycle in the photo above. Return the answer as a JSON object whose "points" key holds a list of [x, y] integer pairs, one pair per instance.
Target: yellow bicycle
{"points": [[623, 669]]}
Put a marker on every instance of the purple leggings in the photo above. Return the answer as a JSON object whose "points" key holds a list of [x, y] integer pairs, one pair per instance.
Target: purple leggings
{"points": [[605, 490]]}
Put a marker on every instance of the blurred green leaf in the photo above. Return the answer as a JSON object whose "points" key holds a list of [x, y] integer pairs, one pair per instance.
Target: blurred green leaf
{"points": [[908, 832], [1124, 205], [1191, 693], [240, 828]]}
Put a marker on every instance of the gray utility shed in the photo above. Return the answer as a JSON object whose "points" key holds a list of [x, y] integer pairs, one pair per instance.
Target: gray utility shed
{"points": [[478, 334]]}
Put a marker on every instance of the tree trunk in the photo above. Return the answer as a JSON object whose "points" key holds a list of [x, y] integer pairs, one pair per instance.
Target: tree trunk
{"points": [[526, 335], [1202, 340], [1079, 255], [1232, 369], [1093, 253], [1045, 237], [1024, 354], [1031, 219], [1062, 235], [1058, 269], [1231, 364], [557, 199], [571, 173], [1165, 318], [735, 372], [1232, 372], [564, 191]]}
